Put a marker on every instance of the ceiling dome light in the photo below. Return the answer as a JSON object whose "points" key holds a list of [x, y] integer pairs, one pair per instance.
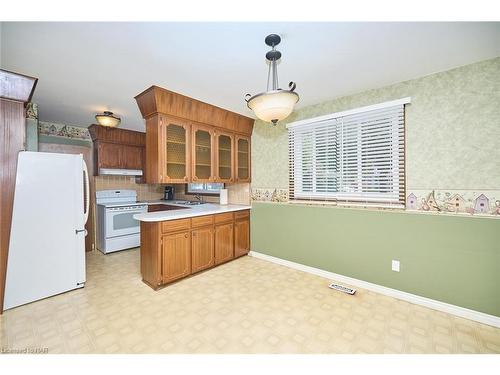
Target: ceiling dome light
{"points": [[107, 119], [276, 104]]}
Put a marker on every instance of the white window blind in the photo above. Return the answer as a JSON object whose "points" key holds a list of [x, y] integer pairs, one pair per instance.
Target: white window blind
{"points": [[351, 156]]}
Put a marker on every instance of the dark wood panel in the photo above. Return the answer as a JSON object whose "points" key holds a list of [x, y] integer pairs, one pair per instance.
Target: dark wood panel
{"points": [[117, 135], [118, 148], [108, 155], [131, 157], [13, 135], [15, 91]]}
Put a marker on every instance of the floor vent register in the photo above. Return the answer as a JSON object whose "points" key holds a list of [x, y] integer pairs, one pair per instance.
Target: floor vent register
{"points": [[342, 288]]}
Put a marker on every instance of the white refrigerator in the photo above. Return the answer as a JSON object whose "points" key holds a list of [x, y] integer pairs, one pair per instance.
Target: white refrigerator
{"points": [[47, 240]]}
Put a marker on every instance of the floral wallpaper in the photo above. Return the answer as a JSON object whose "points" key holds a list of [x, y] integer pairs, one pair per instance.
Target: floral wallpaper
{"points": [[63, 130], [452, 136], [32, 111]]}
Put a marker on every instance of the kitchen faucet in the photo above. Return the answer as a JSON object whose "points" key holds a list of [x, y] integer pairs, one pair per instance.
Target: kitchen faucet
{"points": [[199, 197]]}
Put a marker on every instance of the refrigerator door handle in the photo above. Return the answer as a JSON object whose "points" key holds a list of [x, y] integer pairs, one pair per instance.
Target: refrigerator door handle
{"points": [[87, 191]]}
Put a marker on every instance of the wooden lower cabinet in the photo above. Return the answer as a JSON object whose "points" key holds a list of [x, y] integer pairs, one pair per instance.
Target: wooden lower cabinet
{"points": [[202, 249], [224, 243], [241, 237], [176, 256], [173, 249]]}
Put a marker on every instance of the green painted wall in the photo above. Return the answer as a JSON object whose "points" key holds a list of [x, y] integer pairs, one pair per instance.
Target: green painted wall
{"points": [[64, 141], [447, 258], [31, 134]]}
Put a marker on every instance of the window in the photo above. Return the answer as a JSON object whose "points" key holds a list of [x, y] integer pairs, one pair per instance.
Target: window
{"points": [[209, 188], [350, 156]]}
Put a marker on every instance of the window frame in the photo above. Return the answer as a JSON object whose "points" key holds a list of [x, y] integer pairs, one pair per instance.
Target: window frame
{"points": [[187, 191], [318, 128]]}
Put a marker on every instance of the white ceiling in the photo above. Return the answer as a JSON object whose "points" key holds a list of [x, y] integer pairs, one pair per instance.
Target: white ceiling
{"points": [[85, 68]]}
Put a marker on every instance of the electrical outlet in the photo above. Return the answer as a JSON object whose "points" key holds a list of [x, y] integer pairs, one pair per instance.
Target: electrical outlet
{"points": [[395, 265]]}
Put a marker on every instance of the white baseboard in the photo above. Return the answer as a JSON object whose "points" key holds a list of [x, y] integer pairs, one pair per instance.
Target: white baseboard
{"points": [[412, 298]]}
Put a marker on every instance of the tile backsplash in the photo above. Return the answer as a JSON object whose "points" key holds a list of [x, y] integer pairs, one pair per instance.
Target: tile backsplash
{"points": [[144, 191], [237, 193]]}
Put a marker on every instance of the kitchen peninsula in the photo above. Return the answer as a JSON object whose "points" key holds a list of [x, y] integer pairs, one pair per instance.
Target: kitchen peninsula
{"points": [[179, 243]]}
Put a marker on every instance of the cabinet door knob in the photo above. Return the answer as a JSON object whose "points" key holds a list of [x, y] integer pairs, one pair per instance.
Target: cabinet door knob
{"points": [[186, 236]]}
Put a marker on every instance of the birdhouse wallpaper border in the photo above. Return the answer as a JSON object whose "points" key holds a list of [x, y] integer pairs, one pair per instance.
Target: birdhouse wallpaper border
{"points": [[460, 202], [466, 202], [64, 131]]}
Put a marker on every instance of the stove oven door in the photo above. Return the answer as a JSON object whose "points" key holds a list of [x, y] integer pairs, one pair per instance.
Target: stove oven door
{"points": [[120, 221]]}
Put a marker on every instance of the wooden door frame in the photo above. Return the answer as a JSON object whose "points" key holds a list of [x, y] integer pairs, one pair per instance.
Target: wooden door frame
{"points": [[17, 90]]}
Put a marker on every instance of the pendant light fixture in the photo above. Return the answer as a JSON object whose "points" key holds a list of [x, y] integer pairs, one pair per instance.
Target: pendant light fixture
{"points": [[275, 104], [108, 119]]}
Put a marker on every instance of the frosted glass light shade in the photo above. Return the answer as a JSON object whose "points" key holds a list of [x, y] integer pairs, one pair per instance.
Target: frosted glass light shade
{"points": [[274, 105], [108, 119]]}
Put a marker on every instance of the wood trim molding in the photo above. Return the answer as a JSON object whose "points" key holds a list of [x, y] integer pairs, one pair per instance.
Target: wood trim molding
{"points": [[157, 100], [117, 135]]}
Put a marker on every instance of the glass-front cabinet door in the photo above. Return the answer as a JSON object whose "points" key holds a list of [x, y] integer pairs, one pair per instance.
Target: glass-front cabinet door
{"points": [[242, 159], [176, 135], [202, 153], [224, 157]]}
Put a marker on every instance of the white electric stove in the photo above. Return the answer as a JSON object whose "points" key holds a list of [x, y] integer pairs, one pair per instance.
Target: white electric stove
{"points": [[116, 227]]}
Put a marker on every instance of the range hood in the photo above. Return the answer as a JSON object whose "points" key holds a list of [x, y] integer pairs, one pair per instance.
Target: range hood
{"points": [[120, 172]]}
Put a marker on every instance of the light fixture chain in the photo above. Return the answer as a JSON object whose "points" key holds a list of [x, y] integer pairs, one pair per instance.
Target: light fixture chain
{"points": [[269, 75], [276, 75]]}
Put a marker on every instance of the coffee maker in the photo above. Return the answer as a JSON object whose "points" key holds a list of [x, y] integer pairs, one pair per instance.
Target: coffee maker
{"points": [[168, 195]]}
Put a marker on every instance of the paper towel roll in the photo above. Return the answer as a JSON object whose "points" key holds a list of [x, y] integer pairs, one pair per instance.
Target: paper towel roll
{"points": [[223, 196]]}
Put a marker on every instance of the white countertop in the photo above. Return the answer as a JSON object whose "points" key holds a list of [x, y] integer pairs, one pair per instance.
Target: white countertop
{"points": [[191, 211]]}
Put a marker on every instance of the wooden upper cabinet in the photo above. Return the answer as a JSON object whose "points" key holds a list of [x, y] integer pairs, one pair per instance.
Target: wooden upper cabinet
{"points": [[175, 150], [156, 100], [108, 155], [132, 157], [243, 159], [202, 153], [117, 148], [216, 141], [224, 157]]}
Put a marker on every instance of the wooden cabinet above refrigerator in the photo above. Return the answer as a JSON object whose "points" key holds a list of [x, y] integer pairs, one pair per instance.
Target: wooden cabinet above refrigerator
{"points": [[117, 149], [191, 141]]}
